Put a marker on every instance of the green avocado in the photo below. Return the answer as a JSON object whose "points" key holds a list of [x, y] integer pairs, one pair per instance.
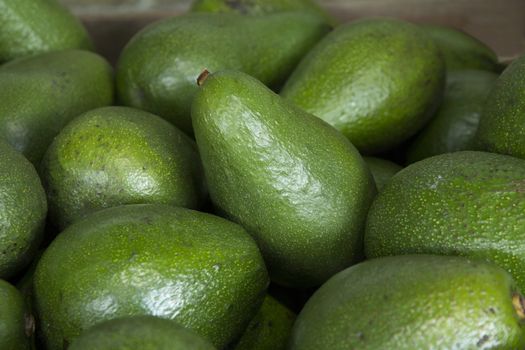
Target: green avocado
{"points": [[414, 302], [41, 94], [157, 69], [119, 155], [502, 124], [295, 183], [465, 203], [382, 170], [456, 122], [32, 27], [200, 270], [461, 50], [139, 333], [23, 210], [378, 81], [16, 324]]}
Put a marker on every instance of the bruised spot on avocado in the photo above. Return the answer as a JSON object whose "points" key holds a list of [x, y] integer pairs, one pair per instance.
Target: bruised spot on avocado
{"points": [[29, 325], [361, 336], [482, 341], [519, 305], [65, 344], [202, 77], [237, 5]]}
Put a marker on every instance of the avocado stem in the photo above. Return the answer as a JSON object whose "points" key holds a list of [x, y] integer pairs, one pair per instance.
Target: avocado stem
{"points": [[29, 325], [202, 77], [519, 305]]}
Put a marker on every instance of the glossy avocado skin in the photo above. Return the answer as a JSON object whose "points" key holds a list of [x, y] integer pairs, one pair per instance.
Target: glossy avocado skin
{"points": [[502, 126], [464, 203], [118, 155], [13, 316], [412, 302], [296, 184], [139, 332], [148, 259], [32, 27], [157, 70], [382, 170], [376, 80], [454, 126], [41, 94], [23, 210]]}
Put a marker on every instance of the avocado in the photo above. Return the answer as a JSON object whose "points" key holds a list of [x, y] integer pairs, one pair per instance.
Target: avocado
{"points": [[382, 170], [40, 94], [465, 203], [157, 69], [23, 210], [461, 50], [378, 81], [295, 183], [32, 27], [456, 122], [414, 302], [139, 333], [200, 270], [502, 124], [16, 324], [119, 155]]}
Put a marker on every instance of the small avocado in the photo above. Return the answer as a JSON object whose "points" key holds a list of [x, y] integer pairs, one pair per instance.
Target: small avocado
{"points": [[382, 170], [502, 124], [16, 323], [456, 122], [465, 203], [157, 69], [461, 50], [139, 333], [419, 302], [23, 210], [378, 81], [32, 27], [118, 155], [202, 271], [40, 94], [295, 183]]}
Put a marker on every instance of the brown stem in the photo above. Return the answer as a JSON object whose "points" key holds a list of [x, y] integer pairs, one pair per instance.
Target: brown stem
{"points": [[519, 305], [202, 77]]}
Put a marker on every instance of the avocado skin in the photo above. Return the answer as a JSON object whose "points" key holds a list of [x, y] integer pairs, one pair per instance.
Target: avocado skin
{"points": [[412, 302], [118, 155], [382, 170], [378, 81], [157, 70], [456, 122], [464, 203], [22, 212], [502, 125], [13, 314], [32, 27], [140, 333], [296, 184], [40, 94], [461, 50], [149, 259]]}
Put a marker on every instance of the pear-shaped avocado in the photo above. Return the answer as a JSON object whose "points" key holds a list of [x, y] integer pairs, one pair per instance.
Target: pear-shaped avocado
{"points": [[414, 302], [139, 333], [294, 182], [157, 69], [378, 81], [16, 324], [118, 155], [382, 170], [202, 271], [31, 27], [41, 94]]}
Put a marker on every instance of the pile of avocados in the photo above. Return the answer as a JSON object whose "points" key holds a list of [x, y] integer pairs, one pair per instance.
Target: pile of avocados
{"points": [[257, 175]]}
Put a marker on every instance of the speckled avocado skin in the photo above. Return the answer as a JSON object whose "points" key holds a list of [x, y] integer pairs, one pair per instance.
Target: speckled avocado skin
{"points": [[139, 333], [295, 183], [13, 314], [464, 203], [382, 170], [41, 94], [200, 270], [502, 125], [456, 122], [412, 302], [118, 155], [158, 68], [23, 209], [31, 27], [376, 80]]}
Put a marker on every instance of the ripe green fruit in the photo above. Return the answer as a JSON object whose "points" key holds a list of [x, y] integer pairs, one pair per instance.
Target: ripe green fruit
{"points": [[16, 324]]}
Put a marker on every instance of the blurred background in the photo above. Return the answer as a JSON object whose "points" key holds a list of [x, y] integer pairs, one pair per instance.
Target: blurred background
{"points": [[498, 23]]}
